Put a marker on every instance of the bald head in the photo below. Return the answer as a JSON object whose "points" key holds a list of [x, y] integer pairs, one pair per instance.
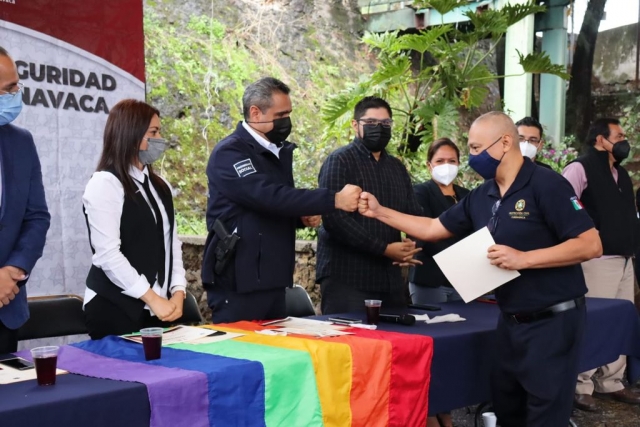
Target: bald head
{"points": [[497, 123], [3, 52]]}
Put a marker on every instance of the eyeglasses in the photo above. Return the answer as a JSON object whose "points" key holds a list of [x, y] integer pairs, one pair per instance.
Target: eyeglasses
{"points": [[387, 123], [534, 141], [17, 90], [493, 222]]}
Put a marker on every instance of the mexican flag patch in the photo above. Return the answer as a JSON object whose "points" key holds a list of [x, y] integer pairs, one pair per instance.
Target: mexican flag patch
{"points": [[577, 204]]}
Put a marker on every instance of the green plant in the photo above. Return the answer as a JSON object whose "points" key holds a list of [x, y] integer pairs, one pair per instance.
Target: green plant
{"points": [[559, 155], [196, 74], [428, 99]]}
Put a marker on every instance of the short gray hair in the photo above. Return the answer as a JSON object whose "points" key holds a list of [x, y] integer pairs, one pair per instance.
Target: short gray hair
{"points": [[3, 52], [260, 94]]}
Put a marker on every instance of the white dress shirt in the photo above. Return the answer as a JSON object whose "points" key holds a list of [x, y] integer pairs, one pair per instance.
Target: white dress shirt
{"points": [[262, 141], [103, 200]]}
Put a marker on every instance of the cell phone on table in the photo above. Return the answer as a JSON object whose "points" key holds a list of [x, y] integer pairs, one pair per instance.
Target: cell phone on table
{"points": [[344, 320], [17, 363], [427, 307]]}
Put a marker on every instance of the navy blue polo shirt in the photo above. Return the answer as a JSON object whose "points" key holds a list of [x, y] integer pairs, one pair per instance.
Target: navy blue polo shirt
{"points": [[538, 211]]}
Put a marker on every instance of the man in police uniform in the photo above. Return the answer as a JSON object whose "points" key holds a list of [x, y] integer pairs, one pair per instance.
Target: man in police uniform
{"points": [[606, 191], [251, 191], [541, 230]]}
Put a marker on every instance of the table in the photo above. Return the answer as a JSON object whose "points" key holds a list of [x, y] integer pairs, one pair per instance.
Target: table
{"points": [[372, 379], [74, 401], [462, 352]]}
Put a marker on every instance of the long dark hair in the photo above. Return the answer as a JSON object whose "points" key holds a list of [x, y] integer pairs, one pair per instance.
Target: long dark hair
{"points": [[127, 124]]}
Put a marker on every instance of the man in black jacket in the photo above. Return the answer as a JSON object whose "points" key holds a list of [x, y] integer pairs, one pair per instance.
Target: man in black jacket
{"points": [[605, 189], [356, 255], [251, 191]]}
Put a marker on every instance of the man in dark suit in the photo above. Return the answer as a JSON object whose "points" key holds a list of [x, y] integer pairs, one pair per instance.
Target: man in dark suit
{"points": [[24, 218]]}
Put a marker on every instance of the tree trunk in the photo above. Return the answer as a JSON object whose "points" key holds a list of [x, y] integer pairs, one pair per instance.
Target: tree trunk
{"points": [[579, 95]]}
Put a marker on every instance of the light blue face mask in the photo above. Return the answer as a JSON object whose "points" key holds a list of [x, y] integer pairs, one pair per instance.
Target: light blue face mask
{"points": [[10, 107]]}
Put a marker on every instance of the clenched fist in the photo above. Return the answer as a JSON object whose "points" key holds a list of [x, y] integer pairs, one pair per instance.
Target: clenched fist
{"points": [[368, 205], [347, 198]]}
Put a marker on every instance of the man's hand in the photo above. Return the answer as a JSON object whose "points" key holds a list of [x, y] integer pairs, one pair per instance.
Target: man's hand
{"points": [[347, 198], [178, 300], [161, 307], [368, 205], [507, 257], [9, 278], [311, 221], [402, 252]]}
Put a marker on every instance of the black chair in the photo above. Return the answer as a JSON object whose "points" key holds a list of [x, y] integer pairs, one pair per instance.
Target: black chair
{"points": [[298, 302], [190, 311], [53, 316]]}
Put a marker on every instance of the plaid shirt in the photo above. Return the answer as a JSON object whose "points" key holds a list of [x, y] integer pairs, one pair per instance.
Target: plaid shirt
{"points": [[350, 246]]}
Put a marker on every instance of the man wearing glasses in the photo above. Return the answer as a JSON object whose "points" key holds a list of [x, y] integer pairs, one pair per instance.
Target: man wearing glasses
{"points": [[530, 137], [357, 257], [541, 230], [24, 218]]}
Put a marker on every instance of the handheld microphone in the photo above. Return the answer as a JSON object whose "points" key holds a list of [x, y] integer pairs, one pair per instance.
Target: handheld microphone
{"points": [[403, 319]]}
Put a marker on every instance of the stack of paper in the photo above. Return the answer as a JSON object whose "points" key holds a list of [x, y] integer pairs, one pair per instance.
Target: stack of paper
{"points": [[188, 334], [315, 328]]}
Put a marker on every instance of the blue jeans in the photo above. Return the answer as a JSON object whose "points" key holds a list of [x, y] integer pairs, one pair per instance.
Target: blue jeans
{"points": [[424, 295]]}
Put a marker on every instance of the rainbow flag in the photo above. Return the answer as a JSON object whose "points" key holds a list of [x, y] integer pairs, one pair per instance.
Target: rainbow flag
{"points": [[371, 378]]}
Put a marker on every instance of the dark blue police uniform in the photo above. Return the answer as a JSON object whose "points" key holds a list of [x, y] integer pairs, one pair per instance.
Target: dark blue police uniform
{"points": [[252, 191], [543, 314]]}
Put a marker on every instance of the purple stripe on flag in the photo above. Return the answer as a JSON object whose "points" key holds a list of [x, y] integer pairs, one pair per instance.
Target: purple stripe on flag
{"points": [[177, 396]]}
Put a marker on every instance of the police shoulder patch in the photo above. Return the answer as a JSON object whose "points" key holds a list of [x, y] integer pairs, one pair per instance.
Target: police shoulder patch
{"points": [[244, 168]]}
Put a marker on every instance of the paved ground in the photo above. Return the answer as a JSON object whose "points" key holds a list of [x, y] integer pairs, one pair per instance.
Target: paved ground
{"points": [[611, 414]]}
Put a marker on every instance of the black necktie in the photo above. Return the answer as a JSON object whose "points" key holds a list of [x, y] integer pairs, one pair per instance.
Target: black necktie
{"points": [[159, 230]]}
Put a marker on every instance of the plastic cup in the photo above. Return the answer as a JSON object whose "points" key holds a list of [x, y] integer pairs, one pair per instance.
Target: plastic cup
{"points": [[373, 310], [45, 360], [489, 419], [152, 342]]}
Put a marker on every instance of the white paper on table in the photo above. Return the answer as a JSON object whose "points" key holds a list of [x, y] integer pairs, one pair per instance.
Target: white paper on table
{"points": [[307, 324], [10, 375], [319, 333], [468, 269], [216, 338], [178, 334]]}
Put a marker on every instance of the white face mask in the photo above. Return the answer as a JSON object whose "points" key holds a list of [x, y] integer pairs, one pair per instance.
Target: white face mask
{"points": [[528, 150], [444, 174]]}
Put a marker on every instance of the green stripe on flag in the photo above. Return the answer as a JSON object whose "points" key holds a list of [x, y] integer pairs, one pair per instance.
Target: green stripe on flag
{"points": [[291, 394]]}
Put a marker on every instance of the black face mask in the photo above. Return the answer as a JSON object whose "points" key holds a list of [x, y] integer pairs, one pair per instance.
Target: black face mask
{"points": [[376, 137], [621, 150], [280, 132]]}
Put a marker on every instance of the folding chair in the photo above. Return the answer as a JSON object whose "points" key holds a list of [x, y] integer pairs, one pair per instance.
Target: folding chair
{"points": [[53, 316], [298, 302]]}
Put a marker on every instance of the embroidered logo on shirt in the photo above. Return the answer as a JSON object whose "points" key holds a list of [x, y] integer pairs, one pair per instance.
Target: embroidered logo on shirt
{"points": [[520, 205], [244, 168], [577, 204]]}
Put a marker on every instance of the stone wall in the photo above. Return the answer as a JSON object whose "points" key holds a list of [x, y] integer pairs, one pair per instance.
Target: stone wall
{"points": [[304, 274]]}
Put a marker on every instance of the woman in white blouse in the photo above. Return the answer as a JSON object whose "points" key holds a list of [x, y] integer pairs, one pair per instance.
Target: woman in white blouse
{"points": [[137, 279]]}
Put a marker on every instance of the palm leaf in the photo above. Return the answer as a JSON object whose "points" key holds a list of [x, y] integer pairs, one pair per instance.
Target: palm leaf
{"points": [[424, 40], [442, 6], [539, 62]]}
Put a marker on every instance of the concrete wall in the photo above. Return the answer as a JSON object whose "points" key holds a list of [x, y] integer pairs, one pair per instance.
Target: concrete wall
{"points": [[304, 274], [614, 59]]}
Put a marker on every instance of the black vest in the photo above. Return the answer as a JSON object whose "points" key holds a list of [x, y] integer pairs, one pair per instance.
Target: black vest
{"points": [[139, 247], [611, 205]]}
